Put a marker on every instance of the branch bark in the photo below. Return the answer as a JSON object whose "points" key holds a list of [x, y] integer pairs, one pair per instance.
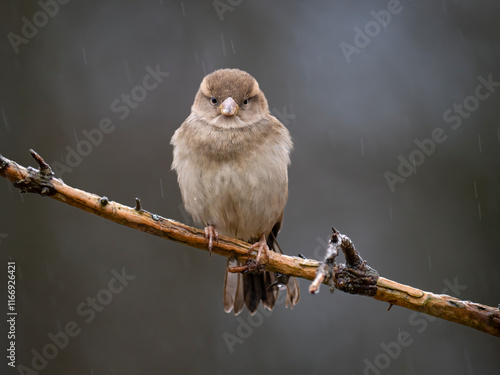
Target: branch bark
{"points": [[354, 277]]}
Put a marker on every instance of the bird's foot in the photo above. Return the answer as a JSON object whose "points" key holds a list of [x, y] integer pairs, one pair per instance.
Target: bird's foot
{"points": [[256, 265], [210, 234], [262, 254]]}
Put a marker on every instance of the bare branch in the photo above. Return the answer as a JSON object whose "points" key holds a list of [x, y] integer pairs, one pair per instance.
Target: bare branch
{"points": [[354, 277]]}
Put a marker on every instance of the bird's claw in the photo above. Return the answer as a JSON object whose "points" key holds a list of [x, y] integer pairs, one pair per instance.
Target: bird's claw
{"points": [[262, 251], [238, 269], [281, 279], [210, 234], [251, 266]]}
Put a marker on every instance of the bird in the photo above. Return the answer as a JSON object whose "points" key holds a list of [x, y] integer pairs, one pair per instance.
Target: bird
{"points": [[231, 156]]}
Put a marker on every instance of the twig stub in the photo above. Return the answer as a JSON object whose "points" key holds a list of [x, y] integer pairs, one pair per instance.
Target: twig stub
{"points": [[36, 182], [354, 277], [3, 163], [138, 206], [44, 167]]}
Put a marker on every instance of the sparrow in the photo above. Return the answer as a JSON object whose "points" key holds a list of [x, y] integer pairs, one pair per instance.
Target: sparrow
{"points": [[231, 157]]}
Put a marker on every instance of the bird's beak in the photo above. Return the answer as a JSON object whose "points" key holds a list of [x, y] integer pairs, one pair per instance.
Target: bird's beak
{"points": [[229, 107]]}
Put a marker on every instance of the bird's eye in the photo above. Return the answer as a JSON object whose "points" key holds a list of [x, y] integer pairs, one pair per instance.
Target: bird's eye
{"points": [[213, 99], [245, 102]]}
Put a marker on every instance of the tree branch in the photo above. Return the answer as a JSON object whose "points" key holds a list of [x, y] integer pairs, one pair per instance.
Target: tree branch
{"points": [[353, 277]]}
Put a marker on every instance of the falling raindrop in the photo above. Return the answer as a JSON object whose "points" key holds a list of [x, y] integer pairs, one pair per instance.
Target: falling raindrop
{"points": [[203, 66], [468, 364], [4, 118], [161, 187], [223, 44], [182, 6], [362, 148], [84, 56], [9, 186]]}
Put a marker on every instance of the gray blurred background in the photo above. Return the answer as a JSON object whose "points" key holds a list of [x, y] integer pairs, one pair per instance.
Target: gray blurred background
{"points": [[351, 114]]}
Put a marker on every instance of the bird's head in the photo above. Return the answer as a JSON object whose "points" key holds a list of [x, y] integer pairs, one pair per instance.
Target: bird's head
{"points": [[230, 98]]}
